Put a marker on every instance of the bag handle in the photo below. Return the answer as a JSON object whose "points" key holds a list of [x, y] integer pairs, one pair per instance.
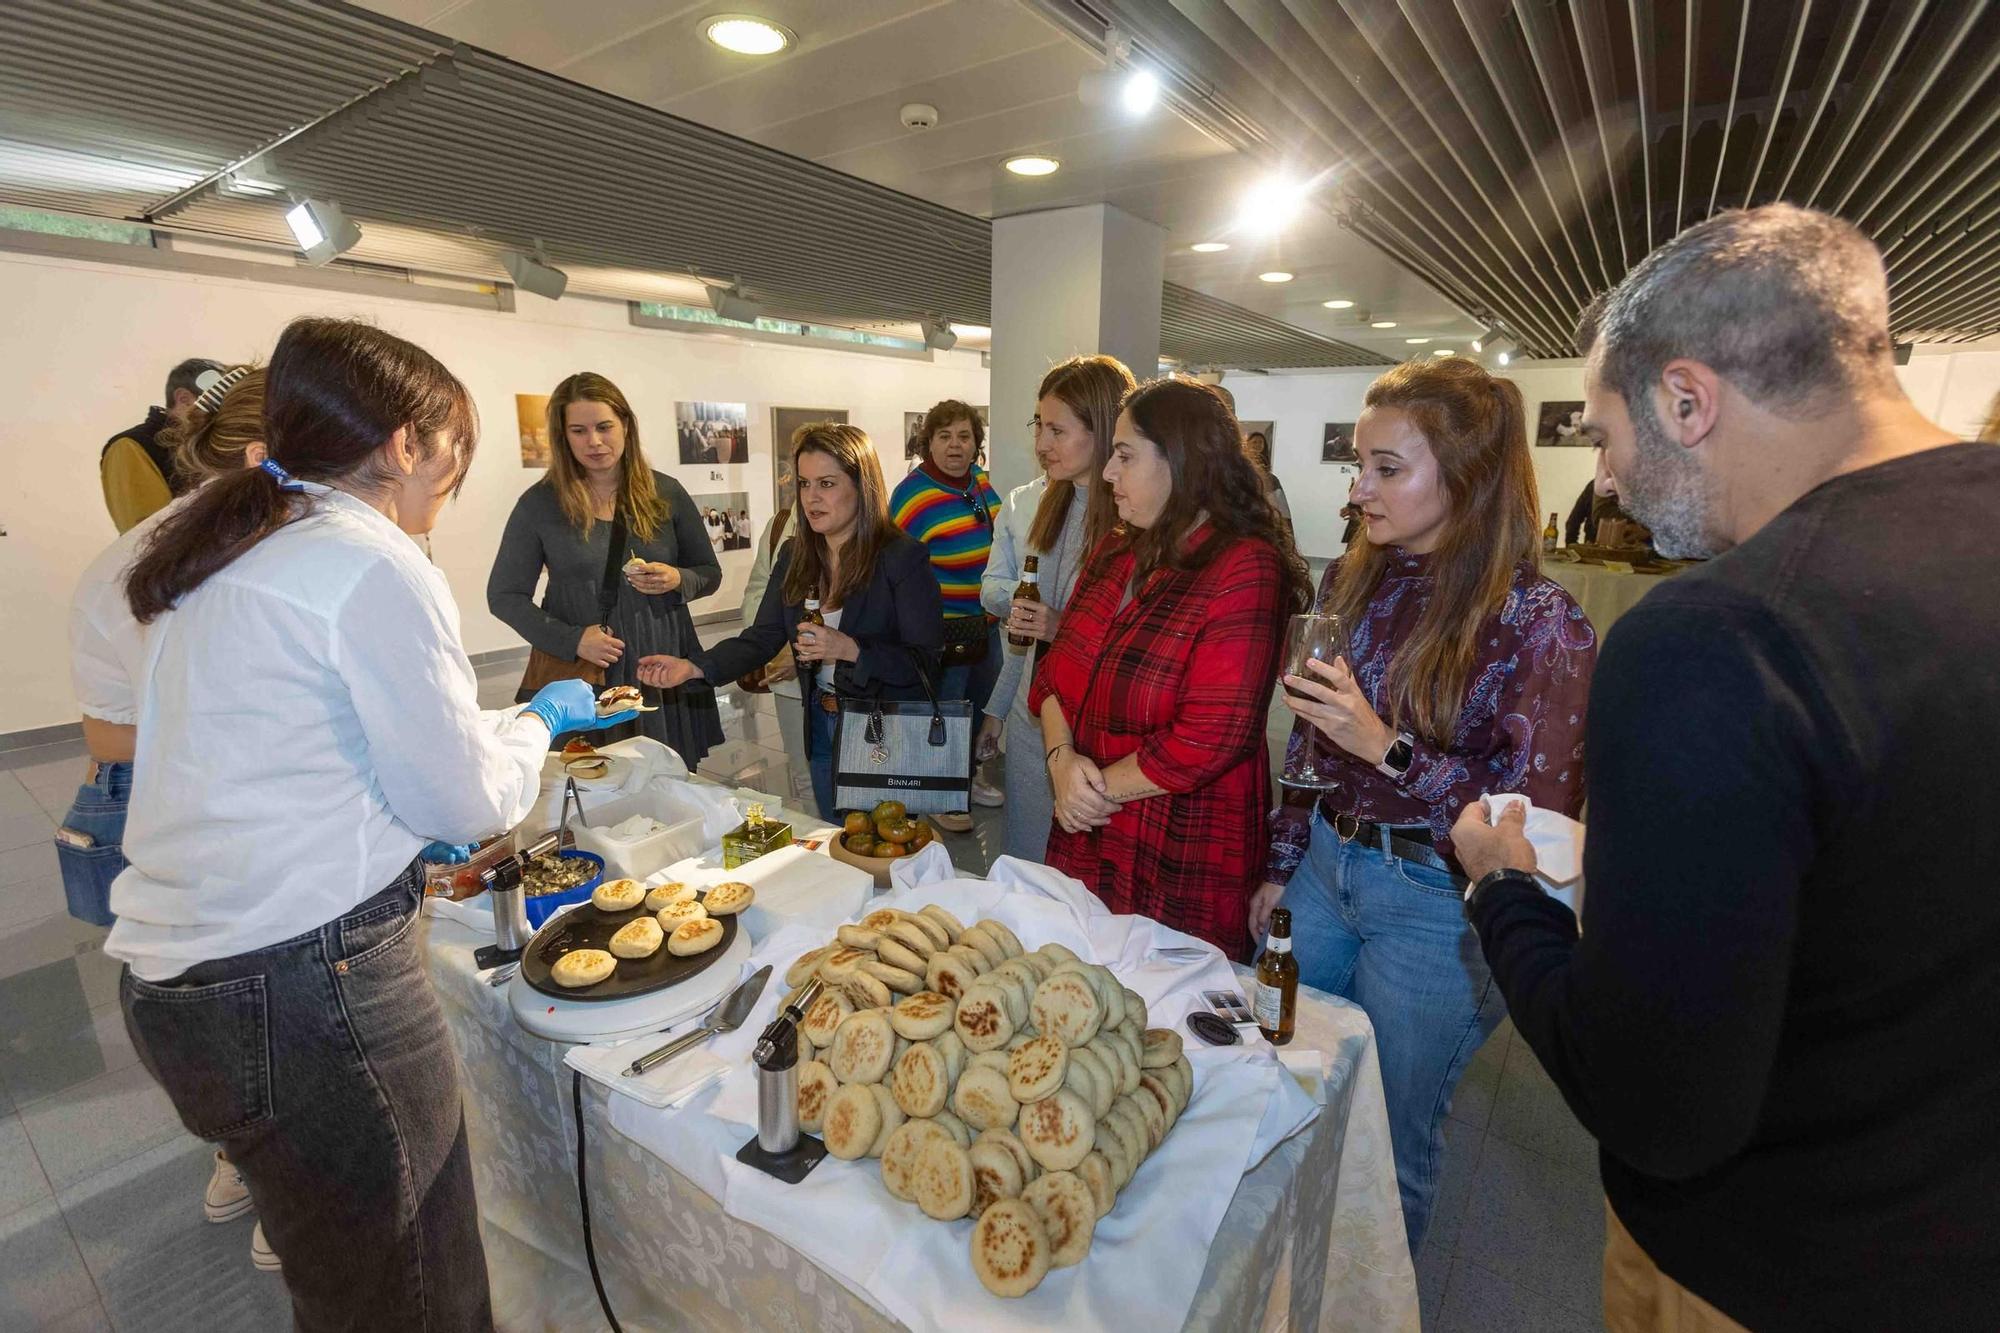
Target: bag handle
{"points": [[607, 590], [936, 736]]}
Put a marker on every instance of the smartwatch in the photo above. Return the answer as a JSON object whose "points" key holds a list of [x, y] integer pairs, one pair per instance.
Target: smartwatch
{"points": [[1396, 763]]}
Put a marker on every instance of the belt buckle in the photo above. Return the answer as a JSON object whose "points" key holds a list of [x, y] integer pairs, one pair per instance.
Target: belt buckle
{"points": [[1349, 834]]}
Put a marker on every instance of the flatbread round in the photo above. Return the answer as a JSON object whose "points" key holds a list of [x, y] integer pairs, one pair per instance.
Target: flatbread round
{"points": [[1128, 1062], [981, 1020], [1154, 1111], [953, 1050], [1103, 1074], [934, 930], [862, 1047], [1058, 953], [618, 895], [1186, 1072], [1036, 1069], [803, 967], [824, 1017], [1159, 1048], [1152, 1085], [693, 937], [982, 1099], [899, 1156], [1006, 1139], [1135, 1007], [729, 898], [1096, 1174], [673, 891], [897, 954], [1018, 994], [858, 937], [1065, 1006], [942, 1181], [960, 1132], [640, 937], [978, 937], [679, 912], [816, 1085], [900, 980], [920, 1081], [922, 1016], [1068, 1211], [868, 992], [582, 967], [952, 925], [1116, 1150], [892, 1116], [996, 1175], [1057, 1131], [949, 974], [911, 936], [1082, 1077], [1009, 941], [1010, 1249], [852, 1123], [972, 956], [880, 918], [842, 963]]}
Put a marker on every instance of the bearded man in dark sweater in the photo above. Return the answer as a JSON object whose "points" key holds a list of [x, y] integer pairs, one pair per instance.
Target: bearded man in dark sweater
{"points": [[1781, 1018]]}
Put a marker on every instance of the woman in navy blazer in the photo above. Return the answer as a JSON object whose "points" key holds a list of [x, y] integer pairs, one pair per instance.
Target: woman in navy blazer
{"points": [[884, 617]]}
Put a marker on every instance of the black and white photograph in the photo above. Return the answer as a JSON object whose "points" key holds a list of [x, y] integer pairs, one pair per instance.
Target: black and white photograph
{"points": [[727, 518], [785, 422], [1337, 444], [712, 432], [1560, 424]]}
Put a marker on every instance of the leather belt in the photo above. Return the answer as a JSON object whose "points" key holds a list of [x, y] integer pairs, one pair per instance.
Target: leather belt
{"points": [[1408, 844]]}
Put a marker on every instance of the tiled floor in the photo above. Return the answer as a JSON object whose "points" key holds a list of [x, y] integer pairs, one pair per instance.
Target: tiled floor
{"points": [[100, 1187]]}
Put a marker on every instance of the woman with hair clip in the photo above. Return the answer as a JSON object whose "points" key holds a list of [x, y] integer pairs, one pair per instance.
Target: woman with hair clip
{"points": [[884, 617], [1467, 673], [1154, 698], [1057, 518], [625, 550], [308, 721]]}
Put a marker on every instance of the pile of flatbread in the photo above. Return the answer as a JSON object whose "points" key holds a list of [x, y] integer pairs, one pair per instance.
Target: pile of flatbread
{"points": [[1020, 1089]]}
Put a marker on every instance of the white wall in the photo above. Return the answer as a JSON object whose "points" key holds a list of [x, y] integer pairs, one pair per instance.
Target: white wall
{"points": [[1954, 389], [85, 347]]}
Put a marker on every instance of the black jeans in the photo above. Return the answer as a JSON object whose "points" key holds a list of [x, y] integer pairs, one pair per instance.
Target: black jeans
{"points": [[322, 1067]]}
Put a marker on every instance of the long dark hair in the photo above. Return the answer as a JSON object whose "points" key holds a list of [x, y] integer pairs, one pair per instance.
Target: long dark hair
{"points": [[806, 577], [645, 511], [1476, 427], [1197, 434], [335, 391], [1092, 387]]}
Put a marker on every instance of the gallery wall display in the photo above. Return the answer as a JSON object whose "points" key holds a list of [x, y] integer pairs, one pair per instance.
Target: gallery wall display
{"points": [[531, 413], [726, 515], [712, 432], [785, 422], [1337, 444], [1561, 424]]}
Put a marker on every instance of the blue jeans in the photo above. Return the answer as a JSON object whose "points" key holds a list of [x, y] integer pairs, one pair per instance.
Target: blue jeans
{"points": [[819, 734], [1391, 936], [97, 815], [321, 1065]]}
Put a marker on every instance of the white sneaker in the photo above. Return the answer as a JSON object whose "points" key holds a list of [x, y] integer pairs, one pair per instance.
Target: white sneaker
{"points": [[262, 1255], [986, 794], [227, 1196], [956, 821]]}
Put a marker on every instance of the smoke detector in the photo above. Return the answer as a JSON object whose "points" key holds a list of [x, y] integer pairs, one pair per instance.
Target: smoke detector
{"points": [[918, 116]]}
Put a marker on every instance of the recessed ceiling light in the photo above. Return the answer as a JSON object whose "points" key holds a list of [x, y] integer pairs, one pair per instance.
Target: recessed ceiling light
{"points": [[1209, 247], [1033, 164], [1383, 324], [1443, 351], [1338, 305], [1271, 204], [1416, 342], [746, 34], [1275, 275], [972, 330]]}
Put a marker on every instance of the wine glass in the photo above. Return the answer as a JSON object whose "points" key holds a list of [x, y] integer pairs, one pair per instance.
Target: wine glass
{"points": [[1313, 637]]}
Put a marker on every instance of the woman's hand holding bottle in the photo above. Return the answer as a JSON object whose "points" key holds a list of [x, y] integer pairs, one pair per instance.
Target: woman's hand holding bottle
{"points": [[598, 647]]}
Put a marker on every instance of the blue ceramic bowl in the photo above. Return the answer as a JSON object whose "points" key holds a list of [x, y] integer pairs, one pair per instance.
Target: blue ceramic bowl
{"points": [[543, 906]]}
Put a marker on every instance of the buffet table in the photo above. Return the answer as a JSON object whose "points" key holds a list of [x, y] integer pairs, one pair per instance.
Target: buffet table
{"points": [[1313, 1237], [1604, 594]]}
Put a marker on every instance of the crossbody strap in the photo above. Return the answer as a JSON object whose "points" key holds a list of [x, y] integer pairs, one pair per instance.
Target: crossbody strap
{"points": [[607, 591]]}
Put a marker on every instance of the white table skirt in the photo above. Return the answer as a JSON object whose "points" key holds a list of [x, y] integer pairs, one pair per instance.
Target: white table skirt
{"points": [[1312, 1240]]}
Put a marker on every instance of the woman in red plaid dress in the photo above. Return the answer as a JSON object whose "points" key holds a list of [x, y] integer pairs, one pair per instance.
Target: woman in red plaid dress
{"points": [[1154, 696]]}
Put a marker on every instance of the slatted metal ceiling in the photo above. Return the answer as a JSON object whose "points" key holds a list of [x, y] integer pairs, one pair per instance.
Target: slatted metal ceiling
{"points": [[146, 98], [1522, 154]]}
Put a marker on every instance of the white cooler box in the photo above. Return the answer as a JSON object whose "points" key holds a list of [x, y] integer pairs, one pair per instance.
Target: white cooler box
{"points": [[678, 837]]}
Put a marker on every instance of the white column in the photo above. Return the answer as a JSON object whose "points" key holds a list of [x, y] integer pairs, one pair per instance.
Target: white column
{"points": [[1067, 282]]}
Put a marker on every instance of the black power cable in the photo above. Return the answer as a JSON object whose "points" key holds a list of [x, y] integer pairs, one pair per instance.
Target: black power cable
{"points": [[583, 1202]]}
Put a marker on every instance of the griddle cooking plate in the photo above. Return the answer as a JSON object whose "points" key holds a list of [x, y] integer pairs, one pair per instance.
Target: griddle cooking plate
{"points": [[586, 927]]}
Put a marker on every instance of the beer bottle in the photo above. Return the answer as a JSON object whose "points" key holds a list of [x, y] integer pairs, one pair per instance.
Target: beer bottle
{"points": [[1551, 534], [1029, 591], [1277, 999], [812, 615]]}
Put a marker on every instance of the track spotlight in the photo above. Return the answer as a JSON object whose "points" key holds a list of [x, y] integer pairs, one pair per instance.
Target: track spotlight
{"points": [[533, 275], [321, 229], [938, 335], [1498, 349], [730, 303]]}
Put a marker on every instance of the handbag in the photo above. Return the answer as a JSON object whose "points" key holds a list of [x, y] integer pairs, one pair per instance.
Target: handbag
{"points": [[546, 668], [918, 753], [965, 640]]}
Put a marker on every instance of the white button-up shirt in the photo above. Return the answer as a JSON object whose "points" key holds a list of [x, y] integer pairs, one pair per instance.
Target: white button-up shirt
{"points": [[308, 720], [107, 646]]}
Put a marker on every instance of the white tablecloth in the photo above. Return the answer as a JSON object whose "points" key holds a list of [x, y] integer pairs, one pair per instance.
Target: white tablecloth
{"points": [[1313, 1238]]}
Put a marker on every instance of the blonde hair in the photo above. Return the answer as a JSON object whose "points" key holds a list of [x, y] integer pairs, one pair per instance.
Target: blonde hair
{"points": [[1476, 428], [807, 576], [209, 444], [638, 498]]}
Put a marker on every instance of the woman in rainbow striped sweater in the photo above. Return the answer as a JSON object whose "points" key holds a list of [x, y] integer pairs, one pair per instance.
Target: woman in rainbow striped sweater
{"points": [[948, 504]]}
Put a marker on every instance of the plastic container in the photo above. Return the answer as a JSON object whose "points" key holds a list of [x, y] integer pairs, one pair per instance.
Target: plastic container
{"points": [[542, 906], [679, 838]]}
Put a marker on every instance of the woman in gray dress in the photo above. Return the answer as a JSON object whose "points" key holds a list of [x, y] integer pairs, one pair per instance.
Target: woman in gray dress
{"points": [[563, 524]]}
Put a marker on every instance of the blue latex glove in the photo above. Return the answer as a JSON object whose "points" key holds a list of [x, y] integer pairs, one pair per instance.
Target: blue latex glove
{"points": [[448, 853], [571, 705]]}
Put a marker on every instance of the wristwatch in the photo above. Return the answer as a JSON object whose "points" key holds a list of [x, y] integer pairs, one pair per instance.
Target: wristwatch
{"points": [[1494, 877], [1396, 763]]}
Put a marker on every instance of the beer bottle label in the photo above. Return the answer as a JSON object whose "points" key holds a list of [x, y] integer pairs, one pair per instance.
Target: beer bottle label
{"points": [[1269, 1006]]}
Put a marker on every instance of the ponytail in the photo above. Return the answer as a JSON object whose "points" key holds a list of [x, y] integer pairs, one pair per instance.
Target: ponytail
{"points": [[336, 391]]}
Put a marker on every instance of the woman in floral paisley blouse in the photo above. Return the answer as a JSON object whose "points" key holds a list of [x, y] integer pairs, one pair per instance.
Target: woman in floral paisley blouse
{"points": [[1470, 674]]}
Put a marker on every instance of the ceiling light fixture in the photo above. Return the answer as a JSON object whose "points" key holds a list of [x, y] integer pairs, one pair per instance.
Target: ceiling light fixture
{"points": [[321, 229], [1275, 275], [938, 335], [1338, 305], [1497, 347], [1033, 164], [1209, 247], [535, 274], [746, 34], [1271, 204], [1416, 342], [731, 304], [1141, 91], [1443, 351], [1383, 324], [972, 330]]}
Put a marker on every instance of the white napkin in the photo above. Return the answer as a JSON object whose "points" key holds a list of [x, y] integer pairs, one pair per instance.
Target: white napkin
{"points": [[669, 1084], [475, 913], [1558, 843]]}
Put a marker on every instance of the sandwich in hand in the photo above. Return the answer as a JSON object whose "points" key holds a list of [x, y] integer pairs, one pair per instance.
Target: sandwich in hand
{"points": [[619, 699]]}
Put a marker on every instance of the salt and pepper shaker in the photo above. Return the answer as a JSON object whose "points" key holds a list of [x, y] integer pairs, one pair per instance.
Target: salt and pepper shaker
{"points": [[779, 1149]]}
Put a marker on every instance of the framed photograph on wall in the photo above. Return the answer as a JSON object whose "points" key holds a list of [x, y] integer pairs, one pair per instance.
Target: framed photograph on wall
{"points": [[1560, 424], [531, 414], [785, 421], [726, 515], [1337, 444], [712, 432]]}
